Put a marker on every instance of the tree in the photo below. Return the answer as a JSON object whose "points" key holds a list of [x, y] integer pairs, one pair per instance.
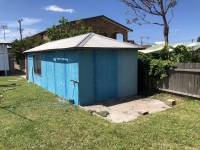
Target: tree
{"points": [[198, 39], [18, 46], [159, 8], [66, 29]]}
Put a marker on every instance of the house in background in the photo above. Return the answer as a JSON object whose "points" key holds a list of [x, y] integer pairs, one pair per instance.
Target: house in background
{"points": [[100, 25], [4, 57], [86, 69], [194, 46]]}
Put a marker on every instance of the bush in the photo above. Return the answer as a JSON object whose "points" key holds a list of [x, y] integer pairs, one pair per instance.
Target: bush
{"points": [[181, 54], [158, 64], [144, 60], [159, 68], [66, 29], [164, 54], [154, 67], [155, 64], [18, 47], [195, 56]]}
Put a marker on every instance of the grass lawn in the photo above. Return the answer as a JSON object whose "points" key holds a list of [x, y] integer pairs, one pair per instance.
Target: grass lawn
{"points": [[31, 118]]}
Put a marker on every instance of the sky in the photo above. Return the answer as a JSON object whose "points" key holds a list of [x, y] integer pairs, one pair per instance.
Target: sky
{"points": [[40, 14]]}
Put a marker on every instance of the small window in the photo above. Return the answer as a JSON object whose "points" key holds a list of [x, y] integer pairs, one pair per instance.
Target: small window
{"points": [[120, 37], [37, 63]]}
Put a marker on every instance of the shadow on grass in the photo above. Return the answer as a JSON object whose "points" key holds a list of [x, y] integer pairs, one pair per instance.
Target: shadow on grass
{"points": [[9, 85], [6, 108]]}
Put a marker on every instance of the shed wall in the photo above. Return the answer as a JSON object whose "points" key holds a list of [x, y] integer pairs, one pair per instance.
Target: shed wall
{"points": [[102, 74], [58, 68], [4, 63], [106, 74], [127, 73], [86, 86]]}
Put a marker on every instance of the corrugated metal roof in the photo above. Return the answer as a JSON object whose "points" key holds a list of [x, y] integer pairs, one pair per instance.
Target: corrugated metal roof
{"points": [[89, 40], [152, 49], [155, 48], [194, 46], [4, 42]]}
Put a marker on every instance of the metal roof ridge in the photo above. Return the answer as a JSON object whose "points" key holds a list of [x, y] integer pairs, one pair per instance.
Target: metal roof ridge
{"points": [[121, 42], [85, 40]]}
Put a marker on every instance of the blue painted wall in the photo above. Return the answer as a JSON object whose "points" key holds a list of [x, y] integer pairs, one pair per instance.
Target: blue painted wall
{"points": [[102, 74], [127, 73], [58, 69], [86, 78], [106, 74]]}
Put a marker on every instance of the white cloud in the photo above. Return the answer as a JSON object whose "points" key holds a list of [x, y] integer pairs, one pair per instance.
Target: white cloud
{"points": [[14, 34], [6, 31], [55, 8], [26, 22], [30, 21], [29, 32]]}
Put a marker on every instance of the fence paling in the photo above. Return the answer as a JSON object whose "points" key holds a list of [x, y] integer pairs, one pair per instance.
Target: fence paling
{"points": [[184, 80]]}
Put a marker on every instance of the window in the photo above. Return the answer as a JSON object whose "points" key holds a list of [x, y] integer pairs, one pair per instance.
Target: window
{"points": [[119, 37], [37, 63]]}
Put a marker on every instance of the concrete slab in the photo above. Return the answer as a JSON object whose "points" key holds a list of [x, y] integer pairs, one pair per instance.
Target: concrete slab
{"points": [[128, 111]]}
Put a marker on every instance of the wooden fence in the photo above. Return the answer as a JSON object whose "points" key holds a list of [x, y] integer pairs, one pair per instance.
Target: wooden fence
{"points": [[184, 80]]}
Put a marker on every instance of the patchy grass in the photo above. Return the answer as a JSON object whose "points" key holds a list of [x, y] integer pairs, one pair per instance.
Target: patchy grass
{"points": [[31, 118]]}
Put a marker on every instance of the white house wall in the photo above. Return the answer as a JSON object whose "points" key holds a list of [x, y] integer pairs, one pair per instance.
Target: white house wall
{"points": [[4, 63]]}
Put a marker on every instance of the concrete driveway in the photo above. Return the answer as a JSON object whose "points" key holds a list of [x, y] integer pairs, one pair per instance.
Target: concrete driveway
{"points": [[128, 111]]}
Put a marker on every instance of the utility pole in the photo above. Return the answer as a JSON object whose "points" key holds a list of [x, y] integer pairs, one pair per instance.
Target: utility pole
{"points": [[20, 27], [193, 40], [4, 27], [142, 38]]}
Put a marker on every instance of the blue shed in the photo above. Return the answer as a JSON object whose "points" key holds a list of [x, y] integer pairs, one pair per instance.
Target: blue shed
{"points": [[87, 69]]}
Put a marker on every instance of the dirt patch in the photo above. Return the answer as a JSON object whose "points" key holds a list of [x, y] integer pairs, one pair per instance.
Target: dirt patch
{"points": [[129, 111]]}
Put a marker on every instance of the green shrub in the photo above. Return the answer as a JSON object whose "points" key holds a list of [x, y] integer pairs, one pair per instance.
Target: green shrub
{"points": [[18, 47], [154, 67], [164, 54], [159, 68], [195, 56], [155, 64], [66, 29], [144, 60], [158, 64], [181, 54]]}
